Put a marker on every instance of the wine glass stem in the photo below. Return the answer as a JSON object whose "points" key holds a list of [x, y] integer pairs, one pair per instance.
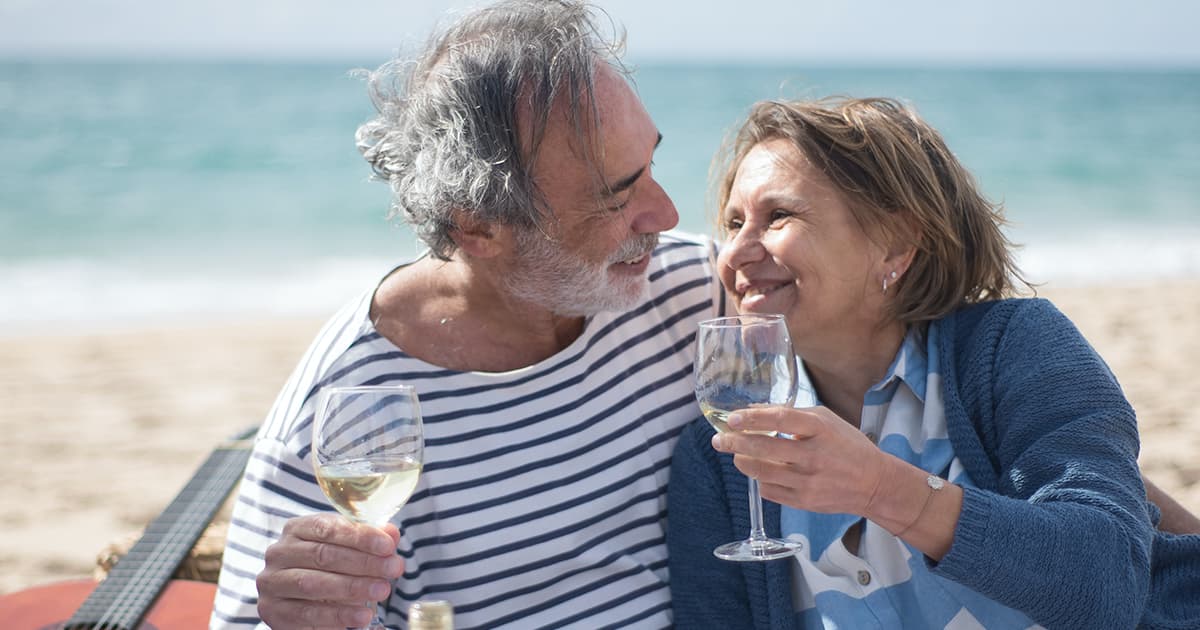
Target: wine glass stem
{"points": [[757, 533]]}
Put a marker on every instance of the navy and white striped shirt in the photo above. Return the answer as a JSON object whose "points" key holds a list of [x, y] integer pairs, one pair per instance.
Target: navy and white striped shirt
{"points": [[542, 502]]}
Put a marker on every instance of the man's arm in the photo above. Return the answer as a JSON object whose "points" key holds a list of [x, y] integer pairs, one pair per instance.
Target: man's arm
{"points": [[1176, 519]]}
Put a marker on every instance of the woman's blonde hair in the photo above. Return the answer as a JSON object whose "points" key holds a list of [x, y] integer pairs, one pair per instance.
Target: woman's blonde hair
{"points": [[901, 182]]}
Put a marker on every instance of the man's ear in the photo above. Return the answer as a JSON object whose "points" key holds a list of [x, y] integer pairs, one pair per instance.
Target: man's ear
{"points": [[475, 238]]}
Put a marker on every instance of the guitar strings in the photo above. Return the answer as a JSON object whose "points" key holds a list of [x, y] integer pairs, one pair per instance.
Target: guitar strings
{"points": [[176, 538], [118, 609], [140, 590]]}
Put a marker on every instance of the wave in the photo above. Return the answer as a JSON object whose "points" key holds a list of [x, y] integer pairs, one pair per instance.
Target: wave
{"points": [[89, 293], [1112, 255]]}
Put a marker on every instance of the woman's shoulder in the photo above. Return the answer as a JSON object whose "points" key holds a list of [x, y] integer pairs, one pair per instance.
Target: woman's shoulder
{"points": [[1015, 321], [1014, 341], [1002, 311]]}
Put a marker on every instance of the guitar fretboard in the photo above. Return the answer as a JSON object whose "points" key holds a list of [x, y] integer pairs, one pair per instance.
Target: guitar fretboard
{"points": [[122, 599]]}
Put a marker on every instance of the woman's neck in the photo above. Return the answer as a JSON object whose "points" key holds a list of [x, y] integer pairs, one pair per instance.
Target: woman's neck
{"points": [[842, 375]]}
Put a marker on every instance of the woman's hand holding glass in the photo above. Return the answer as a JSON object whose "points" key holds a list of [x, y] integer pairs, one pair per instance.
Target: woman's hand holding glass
{"points": [[827, 466], [830, 466]]}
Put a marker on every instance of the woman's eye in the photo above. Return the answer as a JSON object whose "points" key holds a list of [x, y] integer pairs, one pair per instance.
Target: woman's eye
{"points": [[733, 225]]}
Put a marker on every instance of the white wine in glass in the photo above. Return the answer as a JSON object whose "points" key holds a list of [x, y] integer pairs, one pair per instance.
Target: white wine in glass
{"points": [[368, 451], [742, 362], [370, 490]]}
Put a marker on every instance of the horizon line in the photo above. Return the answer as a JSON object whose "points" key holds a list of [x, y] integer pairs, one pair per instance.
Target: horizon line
{"points": [[847, 63]]}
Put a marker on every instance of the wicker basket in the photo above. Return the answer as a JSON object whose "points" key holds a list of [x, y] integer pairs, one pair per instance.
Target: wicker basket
{"points": [[203, 562]]}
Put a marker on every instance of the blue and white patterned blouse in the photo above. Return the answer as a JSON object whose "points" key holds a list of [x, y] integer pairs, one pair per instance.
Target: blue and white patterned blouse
{"points": [[888, 584]]}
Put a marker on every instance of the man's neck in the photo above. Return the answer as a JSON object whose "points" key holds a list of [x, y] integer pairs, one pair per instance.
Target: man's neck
{"points": [[458, 316]]}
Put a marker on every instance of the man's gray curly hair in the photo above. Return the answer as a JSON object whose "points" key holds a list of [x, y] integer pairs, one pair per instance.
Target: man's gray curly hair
{"points": [[446, 137]]}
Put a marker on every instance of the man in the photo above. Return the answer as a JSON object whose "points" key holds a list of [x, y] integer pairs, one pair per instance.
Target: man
{"points": [[548, 333]]}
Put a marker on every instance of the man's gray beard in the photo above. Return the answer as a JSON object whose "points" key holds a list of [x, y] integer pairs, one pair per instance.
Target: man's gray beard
{"points": [[565, 284]]}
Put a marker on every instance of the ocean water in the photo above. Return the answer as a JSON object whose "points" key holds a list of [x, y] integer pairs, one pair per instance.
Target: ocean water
{"points": [[134, 192]]}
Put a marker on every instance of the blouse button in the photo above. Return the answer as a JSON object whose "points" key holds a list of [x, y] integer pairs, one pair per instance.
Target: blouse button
{"points": [[864, 577]]}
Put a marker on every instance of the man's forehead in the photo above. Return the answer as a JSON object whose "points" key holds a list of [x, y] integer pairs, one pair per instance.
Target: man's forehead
{"points": [[579, 110], [583, 155]]}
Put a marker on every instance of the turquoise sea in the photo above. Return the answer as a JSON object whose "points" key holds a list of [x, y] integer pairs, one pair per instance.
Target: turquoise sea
{"points": [[139, 191]]}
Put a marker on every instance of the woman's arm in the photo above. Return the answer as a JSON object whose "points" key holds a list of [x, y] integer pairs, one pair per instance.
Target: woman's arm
{"points": [[1062, 531], [1057, 526]]}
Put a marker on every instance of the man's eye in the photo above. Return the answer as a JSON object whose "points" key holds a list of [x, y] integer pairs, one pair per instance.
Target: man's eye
{"points": [[779, 215]]}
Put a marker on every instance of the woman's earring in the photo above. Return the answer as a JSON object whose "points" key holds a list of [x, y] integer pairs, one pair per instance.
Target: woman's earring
{"points": [[892, 276]]}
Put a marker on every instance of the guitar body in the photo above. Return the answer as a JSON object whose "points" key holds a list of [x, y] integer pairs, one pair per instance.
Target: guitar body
{"points": [[183, 605], [138, 593]]}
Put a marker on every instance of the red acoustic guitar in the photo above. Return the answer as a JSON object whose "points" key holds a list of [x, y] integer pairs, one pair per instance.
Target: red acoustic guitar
{"points": [[138, 593]]}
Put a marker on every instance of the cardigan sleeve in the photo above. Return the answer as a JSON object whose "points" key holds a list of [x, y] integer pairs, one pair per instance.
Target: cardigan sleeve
{"points": [[1061, 532], [706, 592]]}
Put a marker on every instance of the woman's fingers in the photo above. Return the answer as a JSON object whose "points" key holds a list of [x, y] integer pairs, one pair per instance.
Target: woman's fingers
{"points": [[827, 466], [795, 422]]}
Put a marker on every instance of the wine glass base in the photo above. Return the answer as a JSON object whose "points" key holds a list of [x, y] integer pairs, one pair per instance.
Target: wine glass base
{"points": [[758, 550]]}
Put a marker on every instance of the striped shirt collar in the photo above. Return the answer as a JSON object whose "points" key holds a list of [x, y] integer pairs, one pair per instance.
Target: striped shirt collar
{"points": [[910, 367]]}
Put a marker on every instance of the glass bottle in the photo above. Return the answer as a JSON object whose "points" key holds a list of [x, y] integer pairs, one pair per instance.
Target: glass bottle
{"points": [[431, 615]]}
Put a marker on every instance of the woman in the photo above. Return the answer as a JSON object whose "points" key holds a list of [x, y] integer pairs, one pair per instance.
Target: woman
{"points": [[969, 460]]}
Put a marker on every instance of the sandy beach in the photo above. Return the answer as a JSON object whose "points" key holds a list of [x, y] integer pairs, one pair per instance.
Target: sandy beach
{"points": [[103, 429]]}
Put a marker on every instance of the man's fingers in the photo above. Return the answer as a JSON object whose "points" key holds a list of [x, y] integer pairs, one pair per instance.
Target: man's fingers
{"points": [[331, 558], [331, 528], [288, 613], [394, 532], [306, 584]]}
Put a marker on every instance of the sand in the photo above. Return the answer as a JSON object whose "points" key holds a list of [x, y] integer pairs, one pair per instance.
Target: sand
{"points": [[103, 429]]}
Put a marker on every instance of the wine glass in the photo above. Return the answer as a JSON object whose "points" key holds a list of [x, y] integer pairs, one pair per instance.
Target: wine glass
{"points": [[746, 361], [367, 452]]}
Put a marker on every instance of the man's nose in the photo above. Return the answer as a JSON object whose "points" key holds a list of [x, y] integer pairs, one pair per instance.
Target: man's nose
{"points": [[656, 213]]}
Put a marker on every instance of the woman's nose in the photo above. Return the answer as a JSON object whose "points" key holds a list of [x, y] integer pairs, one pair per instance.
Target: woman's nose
{"points": [[743, 247]]}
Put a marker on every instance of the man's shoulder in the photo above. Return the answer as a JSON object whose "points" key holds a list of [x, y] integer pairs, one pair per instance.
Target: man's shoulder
{"points": [[683, 255], [684, 243], [338, 335]]}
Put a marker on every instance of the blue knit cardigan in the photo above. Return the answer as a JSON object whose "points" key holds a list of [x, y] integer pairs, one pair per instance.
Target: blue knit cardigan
{"points": [[1057, 526]]}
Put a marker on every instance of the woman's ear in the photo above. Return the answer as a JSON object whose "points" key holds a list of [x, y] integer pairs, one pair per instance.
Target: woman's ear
{"points": [[476, 238], [899, 256], [901, 247]]}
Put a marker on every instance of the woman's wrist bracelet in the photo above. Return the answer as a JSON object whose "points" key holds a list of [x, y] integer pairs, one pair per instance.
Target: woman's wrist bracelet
{"points": [[935, 484]]}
